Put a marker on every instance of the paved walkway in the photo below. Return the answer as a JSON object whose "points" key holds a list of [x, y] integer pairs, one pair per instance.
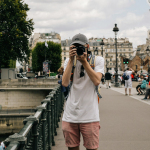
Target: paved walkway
{"points": [[125, 122]]}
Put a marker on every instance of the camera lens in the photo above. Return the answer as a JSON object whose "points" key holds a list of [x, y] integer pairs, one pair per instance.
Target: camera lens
{"points": [[80, 50]]}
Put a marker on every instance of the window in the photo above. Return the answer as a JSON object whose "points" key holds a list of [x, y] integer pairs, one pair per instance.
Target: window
{"points": [[124, 50], [129, 49], [64, 53], [64, 58], [110, 59], [64, 48], [120, 50]]}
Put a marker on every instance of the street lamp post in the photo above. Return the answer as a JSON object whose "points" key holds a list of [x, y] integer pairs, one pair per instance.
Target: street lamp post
{"points": [[106, 65], [116, 29], [138, 50], [102, 43], [147, 51]]}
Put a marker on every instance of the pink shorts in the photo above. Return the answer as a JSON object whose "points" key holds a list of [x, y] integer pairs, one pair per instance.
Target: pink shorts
{"points": [[89, 131]]}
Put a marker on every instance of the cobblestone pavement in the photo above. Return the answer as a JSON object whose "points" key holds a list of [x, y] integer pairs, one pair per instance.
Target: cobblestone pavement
{"points": [[125, 122]]}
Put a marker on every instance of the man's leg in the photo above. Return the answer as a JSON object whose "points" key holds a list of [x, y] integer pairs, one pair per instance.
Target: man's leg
{"points": [[71, 134], [125, 90], [90, 133], [107, 84], [147, 93], [129, 91], [73, 148]]}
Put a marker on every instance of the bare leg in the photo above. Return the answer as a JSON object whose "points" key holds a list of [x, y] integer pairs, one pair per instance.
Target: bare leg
{"points": [[139, 90], [125, 90], [129, 91], [73, 148]]}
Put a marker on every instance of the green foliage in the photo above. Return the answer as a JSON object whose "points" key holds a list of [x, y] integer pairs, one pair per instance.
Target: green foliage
{"points": [[53, 53], [15, 30], [12, 64]]}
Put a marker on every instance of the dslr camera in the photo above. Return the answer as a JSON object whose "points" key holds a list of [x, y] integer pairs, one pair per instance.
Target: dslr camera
{"points": [[80, 49]]}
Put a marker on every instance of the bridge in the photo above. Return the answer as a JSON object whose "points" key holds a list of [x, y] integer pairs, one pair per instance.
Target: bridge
{"points": [[24, 93], [39, 129]]}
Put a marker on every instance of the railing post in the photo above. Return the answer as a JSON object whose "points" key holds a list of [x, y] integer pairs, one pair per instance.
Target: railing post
{"points": [[48, 100], [52, 119], [35, 134], [55, 112], [43, 126]]}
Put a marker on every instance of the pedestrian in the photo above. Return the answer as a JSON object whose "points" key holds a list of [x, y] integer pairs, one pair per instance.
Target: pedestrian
{"points": [[2, 144], [142, 86], [1, 147], [128, 83], [63, 89], [123, 81], [108, 79], [147, 92], [103, 79], [81, 112]]}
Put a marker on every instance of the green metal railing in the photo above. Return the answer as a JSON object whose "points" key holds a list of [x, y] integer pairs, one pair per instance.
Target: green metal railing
{"points": [[39, 130]]}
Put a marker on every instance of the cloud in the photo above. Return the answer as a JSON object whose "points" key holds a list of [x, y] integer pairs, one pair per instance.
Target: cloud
{"points": [[129, 19], [136, 35], [94, 18]]}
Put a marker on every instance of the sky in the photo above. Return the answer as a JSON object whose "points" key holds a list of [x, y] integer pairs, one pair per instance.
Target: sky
{"points": [[94, 18]]}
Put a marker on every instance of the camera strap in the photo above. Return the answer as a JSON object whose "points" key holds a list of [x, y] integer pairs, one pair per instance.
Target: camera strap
{"points": [[91, 61]]}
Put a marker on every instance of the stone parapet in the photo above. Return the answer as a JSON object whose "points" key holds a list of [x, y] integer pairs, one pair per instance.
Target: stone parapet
{"points": [[28, 83]]}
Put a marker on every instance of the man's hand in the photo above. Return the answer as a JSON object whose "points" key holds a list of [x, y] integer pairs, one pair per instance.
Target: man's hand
{"points": [[82, 58], [72, 52]]}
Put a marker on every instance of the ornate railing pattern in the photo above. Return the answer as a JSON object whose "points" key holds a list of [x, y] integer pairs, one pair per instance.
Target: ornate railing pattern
{"points": [[39, 130]]}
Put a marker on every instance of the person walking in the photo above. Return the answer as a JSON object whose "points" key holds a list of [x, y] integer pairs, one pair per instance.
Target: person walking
{"points": [[1, 147], [128, 82], [81, 111], [147, 92], [108, 79]]}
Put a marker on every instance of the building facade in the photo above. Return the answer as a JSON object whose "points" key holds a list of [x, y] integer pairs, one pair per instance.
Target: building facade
{"points": [[108, 50]]}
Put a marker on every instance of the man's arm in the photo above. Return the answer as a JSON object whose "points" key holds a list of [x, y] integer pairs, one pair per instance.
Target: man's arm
{"points": [[132, 70], [94, 76], [67, 74], [68, 69]]}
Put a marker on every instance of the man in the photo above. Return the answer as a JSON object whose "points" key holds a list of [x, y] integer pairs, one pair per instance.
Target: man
{"points": [[108, 79], [147, 92], [81, 112], [1, 147], [128, 83]]}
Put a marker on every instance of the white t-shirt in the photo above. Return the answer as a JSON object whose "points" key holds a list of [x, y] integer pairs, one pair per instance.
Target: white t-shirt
{"points": [[82, 103], [128, 73]]}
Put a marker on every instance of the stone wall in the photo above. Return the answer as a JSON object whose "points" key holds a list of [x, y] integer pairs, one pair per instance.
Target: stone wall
{"points": [[28, 83], [11, 124], [22, 99]]}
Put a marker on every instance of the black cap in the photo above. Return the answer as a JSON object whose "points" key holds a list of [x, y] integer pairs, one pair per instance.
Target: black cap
{"points": [[79, 39]]}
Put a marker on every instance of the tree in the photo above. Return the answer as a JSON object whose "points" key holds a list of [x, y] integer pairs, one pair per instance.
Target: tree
{"points": [[15, 30], [53, 53]]}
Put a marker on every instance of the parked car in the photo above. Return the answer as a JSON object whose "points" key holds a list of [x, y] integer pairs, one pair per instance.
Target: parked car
{"points": [[19, 75]]}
